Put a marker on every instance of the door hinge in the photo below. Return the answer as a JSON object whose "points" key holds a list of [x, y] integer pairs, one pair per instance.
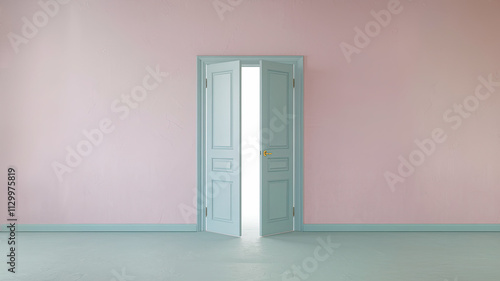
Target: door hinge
{"points": [[206, 83], [294, 211], [206, 211], [294, 82]]}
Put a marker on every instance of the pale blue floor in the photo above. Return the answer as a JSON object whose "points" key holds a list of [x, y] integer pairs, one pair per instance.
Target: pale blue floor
{"points": [[359, 256]]}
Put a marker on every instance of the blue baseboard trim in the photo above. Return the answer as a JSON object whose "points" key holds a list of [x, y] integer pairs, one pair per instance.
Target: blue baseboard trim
{"points": [[401, 227], [102, 227]]}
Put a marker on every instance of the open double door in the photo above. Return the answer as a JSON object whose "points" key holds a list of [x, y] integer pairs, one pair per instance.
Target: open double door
{"points": [[223, 148]]}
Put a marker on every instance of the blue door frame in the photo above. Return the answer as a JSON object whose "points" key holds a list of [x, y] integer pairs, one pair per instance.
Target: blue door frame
{"points": [[298, 63]]}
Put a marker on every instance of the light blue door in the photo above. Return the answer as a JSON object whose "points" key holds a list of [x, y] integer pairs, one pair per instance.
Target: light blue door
{"points": [[223, 178], [277, 148]]}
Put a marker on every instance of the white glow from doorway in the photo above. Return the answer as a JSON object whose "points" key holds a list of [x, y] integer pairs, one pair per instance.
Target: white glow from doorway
{"points": [[250, 149]]}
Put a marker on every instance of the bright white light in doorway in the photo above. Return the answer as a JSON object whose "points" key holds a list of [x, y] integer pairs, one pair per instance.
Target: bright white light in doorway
{"points": [[250, 140]]}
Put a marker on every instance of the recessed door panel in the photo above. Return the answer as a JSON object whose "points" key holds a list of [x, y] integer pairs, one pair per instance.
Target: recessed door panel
{"points": [[223, 179], [277, 146]]}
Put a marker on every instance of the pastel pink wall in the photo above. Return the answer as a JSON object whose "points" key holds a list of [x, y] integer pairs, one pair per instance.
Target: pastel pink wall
{"points": [[359, 116]]}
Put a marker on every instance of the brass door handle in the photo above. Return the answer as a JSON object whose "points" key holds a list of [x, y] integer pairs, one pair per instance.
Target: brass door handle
{"points": [[267, 153]]}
